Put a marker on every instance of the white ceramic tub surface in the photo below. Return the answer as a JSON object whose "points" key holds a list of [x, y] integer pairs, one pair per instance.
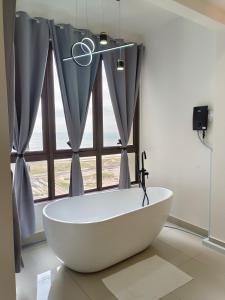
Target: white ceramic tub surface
{"points": [[92, 232]]}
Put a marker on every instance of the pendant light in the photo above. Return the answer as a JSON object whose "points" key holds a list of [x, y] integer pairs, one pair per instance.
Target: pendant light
{"points": [[86, 45], [120, 65], [103, 35], [120, 62], [103, 38]]}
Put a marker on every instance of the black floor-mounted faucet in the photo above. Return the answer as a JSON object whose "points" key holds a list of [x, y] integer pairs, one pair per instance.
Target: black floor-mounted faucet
{"points": [[142, 174]]}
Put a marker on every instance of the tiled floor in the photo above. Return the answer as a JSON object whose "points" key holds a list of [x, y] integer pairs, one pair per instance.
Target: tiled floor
{"points": [[45, 278]]}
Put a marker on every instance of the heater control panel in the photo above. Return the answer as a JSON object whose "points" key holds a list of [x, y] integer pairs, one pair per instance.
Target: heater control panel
{"points": [[200, 118]]}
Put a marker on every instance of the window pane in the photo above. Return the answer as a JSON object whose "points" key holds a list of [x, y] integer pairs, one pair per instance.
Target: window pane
{"points": [[88, 167], [61, 130], [132, 165], [39, 178], [110, 169], [130, 142], [36, 141], [110, 129], [62, 174], [87, 141]]}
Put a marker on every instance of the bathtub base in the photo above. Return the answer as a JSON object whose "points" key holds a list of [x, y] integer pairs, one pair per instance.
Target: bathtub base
{"points": [[106, 267]]}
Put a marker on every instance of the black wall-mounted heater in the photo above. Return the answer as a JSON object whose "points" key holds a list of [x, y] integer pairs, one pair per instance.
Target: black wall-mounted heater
{"points": [[200, 118]]}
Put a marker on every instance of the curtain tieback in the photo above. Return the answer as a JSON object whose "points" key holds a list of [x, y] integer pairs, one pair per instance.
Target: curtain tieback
{"points": [[19, 155], [76, 152], [122, 147]]}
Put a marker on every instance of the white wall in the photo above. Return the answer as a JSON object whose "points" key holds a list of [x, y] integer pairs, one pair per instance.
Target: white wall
{"points": [[178, 74], [7, 278], [217, 214]]}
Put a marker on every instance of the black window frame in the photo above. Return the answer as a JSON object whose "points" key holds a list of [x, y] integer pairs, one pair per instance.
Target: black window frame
{"points": [[50, 153]]}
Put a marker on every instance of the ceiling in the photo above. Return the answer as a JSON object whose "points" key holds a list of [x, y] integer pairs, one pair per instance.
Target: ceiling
{"points": [[137, 17]]}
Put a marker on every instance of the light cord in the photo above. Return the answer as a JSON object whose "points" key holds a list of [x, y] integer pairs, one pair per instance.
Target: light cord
{"points": [[103, 17], [119, 20], [76, 13], [119, 25], [86, 14]]}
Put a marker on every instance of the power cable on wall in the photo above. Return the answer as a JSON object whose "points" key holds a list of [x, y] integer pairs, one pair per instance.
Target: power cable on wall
{"points": [[202, 140]]}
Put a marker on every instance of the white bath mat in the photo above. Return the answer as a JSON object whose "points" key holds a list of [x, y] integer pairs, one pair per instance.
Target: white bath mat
{"points": [[149, 279]]}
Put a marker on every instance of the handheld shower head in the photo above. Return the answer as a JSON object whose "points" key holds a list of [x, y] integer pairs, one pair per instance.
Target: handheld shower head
{"points": [[143, 156]]}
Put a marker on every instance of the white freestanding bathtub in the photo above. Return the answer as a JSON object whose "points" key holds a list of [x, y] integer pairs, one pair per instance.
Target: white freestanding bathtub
{"points": [[92, 232]]}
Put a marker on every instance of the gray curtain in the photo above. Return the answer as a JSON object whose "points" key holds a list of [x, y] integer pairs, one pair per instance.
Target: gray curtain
{"points": [[9, 23], [31, 50], [76, 84], [123, 87]]}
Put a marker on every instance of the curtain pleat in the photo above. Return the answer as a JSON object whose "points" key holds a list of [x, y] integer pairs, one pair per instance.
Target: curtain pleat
{"points": [[31, 49], [76, 84], [123, 88], [9, 23]]}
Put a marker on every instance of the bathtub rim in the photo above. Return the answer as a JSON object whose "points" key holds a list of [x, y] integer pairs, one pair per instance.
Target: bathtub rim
{"points": [[44, 214]]}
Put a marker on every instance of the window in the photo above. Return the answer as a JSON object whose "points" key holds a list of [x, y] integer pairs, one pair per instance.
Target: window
{"points": [[61, 130], [110, 130], [62, 174], [60, 122], [36, 141], [110, 169], [49, 156], [39, 179], [88, 168]]}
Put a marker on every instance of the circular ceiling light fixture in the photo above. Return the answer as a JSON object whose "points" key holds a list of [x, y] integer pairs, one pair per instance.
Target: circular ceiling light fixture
{"points": [[83, 57], [88, 42]]}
